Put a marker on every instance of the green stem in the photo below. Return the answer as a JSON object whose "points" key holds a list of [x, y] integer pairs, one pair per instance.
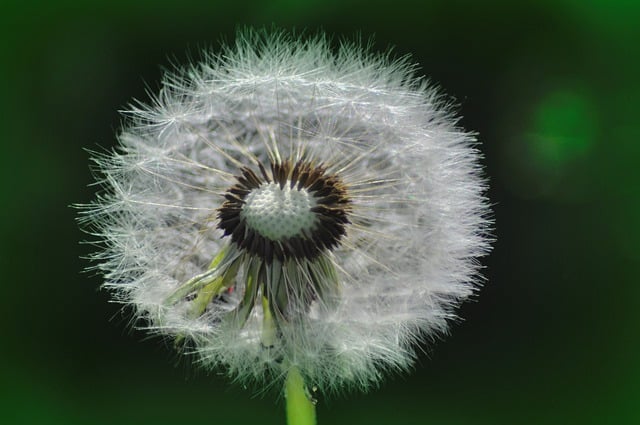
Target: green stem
{"points": [[300, 409]]}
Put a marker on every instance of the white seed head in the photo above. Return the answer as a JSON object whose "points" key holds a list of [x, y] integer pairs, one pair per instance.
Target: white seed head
{"points": [[284, 204], [279, 214]]}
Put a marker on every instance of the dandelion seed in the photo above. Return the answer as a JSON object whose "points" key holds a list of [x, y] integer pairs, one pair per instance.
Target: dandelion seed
{"points": [[293, 211]]}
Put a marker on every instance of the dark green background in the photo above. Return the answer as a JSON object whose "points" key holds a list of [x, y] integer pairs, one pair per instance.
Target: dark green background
{"points": [[552, 88]]}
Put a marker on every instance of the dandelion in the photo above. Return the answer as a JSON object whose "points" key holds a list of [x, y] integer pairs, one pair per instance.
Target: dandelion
{"points": [[293, 213]]}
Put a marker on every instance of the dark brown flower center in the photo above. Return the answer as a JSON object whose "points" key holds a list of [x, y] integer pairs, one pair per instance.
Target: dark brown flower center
{"points": [[294, 211]]}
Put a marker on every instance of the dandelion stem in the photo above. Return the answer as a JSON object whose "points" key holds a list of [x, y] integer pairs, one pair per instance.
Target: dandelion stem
{"points": [[301, 410]]}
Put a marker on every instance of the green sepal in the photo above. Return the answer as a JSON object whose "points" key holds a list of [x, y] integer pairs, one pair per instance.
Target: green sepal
{"points": [[252, 284], [201, 280], [269, 330]]}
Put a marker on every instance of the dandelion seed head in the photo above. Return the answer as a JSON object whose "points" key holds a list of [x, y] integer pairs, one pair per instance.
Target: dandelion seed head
{"points": [[284, 204], [277, 213]]}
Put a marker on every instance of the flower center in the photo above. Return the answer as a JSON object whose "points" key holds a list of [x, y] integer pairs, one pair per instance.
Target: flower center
{"points": [[294, 211], [279, 214]]}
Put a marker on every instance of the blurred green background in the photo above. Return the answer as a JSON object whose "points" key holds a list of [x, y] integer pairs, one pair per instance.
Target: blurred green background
{"points": [[551, 87]]}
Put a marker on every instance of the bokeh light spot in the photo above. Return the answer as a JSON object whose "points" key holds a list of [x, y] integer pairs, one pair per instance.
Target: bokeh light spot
{"points": [[564, 128]]}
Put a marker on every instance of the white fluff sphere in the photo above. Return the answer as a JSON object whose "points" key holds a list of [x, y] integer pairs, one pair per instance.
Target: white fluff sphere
{"points": [[414, 215]]}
